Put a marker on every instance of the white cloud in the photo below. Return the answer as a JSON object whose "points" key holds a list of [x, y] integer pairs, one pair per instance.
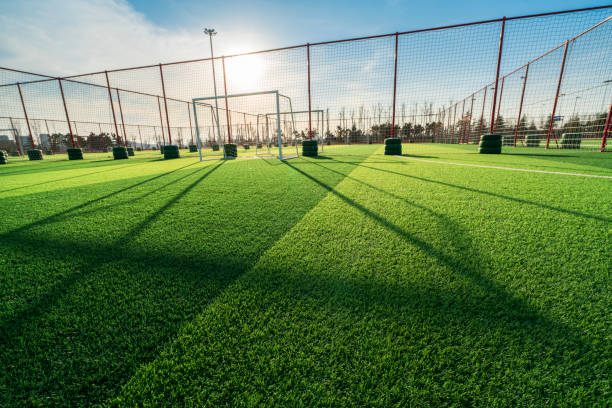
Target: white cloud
{"points": [[64, 37]]}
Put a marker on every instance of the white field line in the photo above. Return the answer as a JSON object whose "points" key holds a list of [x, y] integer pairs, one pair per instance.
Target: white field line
{"points": [[508, 168]]}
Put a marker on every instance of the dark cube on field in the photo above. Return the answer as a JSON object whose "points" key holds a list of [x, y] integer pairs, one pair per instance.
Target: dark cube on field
{"points": [[246, 147], [393, 146], [490, 144], [139, 149], [230, 150], [571, 140], [215, 147], [258, 145], [35, 154], [193, 148], [130, 151], [171, 152], [74, 153], [3, 157], [310, 148], [120, 153]]}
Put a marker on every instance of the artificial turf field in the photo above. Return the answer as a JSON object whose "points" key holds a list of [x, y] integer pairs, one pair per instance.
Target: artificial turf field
{"points": [[353, 279]]}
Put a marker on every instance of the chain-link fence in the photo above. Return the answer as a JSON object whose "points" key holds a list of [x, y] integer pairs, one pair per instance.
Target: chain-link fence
{"points": [[530, 78]]}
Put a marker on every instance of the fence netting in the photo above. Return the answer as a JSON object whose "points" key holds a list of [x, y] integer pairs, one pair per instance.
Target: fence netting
{"points": [[534, 80]]}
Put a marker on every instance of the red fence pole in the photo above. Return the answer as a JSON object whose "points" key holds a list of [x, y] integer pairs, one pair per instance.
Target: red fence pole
{"points": [[25, 113], [552, 116], [499, 56], [501, 94], [17, 141], [518, 121], [161, 121], [190, 127], [469, 131], [394, 86], [161, 74], [484, 100], [227, 114], [309, 97], [606, 130], [66, 111], [110, 98], [122, 121]]}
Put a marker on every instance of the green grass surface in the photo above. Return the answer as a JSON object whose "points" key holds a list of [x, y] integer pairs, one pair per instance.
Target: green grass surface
{"points": [[354, 279]]}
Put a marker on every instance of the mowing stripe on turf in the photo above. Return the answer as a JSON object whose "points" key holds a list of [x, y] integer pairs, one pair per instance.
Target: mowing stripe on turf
{"points": [[508, 168]]}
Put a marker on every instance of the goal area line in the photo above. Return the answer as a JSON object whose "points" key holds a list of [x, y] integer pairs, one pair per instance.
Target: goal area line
{"points": [[562, 173]]}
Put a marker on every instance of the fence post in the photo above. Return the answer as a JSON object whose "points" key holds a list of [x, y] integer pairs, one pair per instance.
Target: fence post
{"points": [[394, 86], [518, 121], [484, 101], [501, 93], [161, 74], [16, 136], [606, 129], [309, 97], [66, 111], [122, 121], [190, 126], [499, 56], [110, 98], [454, 121], [25, 113], [552, 116], [161, 121], [462, 122], [469, 131], [227, 113]]}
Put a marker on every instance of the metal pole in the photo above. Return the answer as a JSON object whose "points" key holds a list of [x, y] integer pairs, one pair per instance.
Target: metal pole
{"points": [[454, 120], [195, 118], [606, 130], [394, 86], [227, 112], [122, 121], [110, 98], [462, 121], [140, 137], [484, 100], [280, 142], [25, 113], [518, 121], [469, 131], [49, 135], [552, 116], [66, 110], [501, 93], [161, 121], [16, 136], [309, 96], [210, 32], [190, 126], [161, 74], [499, 56]]}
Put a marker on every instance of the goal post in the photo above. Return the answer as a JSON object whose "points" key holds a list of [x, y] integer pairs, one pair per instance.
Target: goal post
{"points": [[249, 117]]}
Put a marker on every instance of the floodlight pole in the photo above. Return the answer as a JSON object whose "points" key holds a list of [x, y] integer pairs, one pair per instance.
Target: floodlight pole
{"points": [[210, 32]]}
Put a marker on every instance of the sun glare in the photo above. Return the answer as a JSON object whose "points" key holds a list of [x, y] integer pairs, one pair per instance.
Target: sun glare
{"points": [[244, 72]]}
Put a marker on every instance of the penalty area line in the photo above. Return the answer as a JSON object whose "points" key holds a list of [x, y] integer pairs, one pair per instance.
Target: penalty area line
{"points": [[507, 168]]}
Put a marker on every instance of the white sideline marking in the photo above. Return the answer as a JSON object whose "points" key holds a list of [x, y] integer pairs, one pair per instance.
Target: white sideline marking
{"points": [[508, 168]]}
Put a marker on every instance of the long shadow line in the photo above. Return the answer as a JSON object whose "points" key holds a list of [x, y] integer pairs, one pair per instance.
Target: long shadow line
{"points": [[72, 177], [455, 265], [108, 252], [496, 195], [58, 215]]}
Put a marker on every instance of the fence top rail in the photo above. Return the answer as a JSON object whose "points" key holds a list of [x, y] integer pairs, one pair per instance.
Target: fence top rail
{"points": [[326, 42]]}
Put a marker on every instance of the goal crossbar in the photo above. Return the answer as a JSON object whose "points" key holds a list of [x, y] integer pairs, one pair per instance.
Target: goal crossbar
{"points": [[278, 95]]}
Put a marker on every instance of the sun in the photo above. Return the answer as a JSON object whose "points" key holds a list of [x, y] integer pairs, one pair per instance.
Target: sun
{"points": [[244, 72]]}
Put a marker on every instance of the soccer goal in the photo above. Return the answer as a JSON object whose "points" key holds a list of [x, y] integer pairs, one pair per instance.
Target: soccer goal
{"points": [[258, 120]]}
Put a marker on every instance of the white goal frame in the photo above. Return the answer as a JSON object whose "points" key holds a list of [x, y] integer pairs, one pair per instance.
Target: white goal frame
{"points": [[278, 95]]}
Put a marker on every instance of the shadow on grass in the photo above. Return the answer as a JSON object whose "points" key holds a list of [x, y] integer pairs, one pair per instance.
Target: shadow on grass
{"points": [[496, 195], [103, 308]]}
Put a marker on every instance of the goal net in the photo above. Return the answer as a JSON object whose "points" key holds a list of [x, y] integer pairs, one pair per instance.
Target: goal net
{"points": [[259, 123]]}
